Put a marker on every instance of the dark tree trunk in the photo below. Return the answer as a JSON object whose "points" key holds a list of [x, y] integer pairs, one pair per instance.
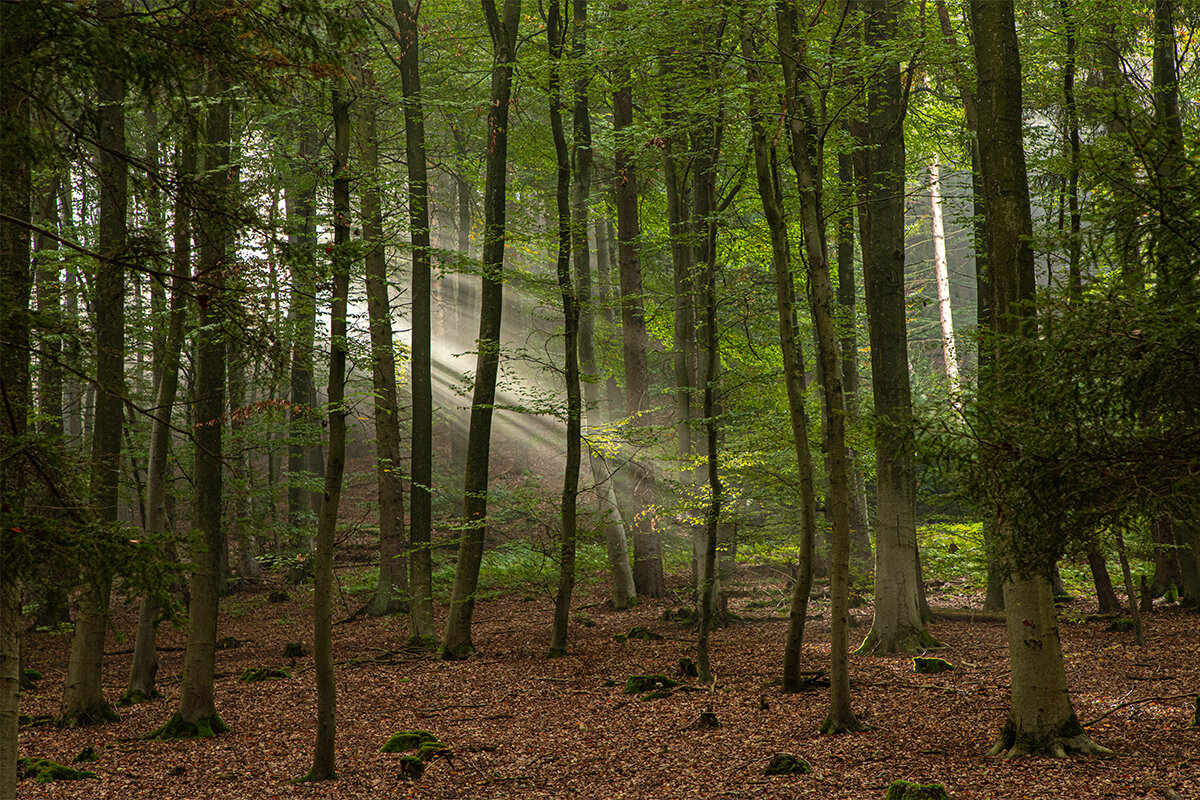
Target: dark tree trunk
{"points": [[503, 30]]}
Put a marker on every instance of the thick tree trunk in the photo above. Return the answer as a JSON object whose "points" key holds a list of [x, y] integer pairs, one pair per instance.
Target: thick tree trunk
{"points": [[647, 550], [1040, 717], [503, 29], [897, 626], [83, 701], [767, 174], [197, 714], [570, 492], [323, 752]]}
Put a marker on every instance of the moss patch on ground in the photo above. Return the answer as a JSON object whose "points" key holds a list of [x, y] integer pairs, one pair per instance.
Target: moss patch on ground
{"points": [[44, 770]]}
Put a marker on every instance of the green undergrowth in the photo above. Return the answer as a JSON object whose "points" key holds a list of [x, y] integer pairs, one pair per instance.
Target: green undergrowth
{"points": [[43, 770]]}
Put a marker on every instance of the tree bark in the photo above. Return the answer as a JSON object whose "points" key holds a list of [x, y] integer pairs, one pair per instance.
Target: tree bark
{"points": [[503, 29]]}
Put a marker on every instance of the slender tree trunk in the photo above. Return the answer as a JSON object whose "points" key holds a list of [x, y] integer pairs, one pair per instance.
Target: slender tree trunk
{"points": [[83, 700], [647, 550], [1074, 243], [942, 274], [197, 714], [897, 626], [323, 753], [15, 393], [1104, 589], [1040, 717], [556, 33], [767, 174], [421, 628], [503, 29], [145, 656], [392, 588]]}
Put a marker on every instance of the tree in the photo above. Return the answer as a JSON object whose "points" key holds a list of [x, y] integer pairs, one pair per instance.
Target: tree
{"points": [[502, 26], [1040, 718]]}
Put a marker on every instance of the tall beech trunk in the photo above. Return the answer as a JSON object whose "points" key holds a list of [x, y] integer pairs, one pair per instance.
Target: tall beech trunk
{"points": [[15, 394], [503, 29], [805, 164], [767, 173], [1040, 717], [144, 672], [621, 588], [197, 714], [647, 550], [392, 588], [323, 753], [897, 626], [421, 628], [942, 277], [83, 700], [556, 33]]}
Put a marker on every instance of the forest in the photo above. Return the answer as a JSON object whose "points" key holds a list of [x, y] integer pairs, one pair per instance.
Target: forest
{"points": [[600, 399]]}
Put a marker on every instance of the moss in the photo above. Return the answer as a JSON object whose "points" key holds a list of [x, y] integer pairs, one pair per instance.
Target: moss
{"points": [[86, 754], [256, 674], [688, 668], [133, 697], [32, 675], [644, 634], [428, 751], [401, 741], [648, 683], [931, 666], [788, 764], [293, 650], [905, 790], [657, 694], [179, 728], [411, 768], [619, 638], [44, 770], [1196, 715]]}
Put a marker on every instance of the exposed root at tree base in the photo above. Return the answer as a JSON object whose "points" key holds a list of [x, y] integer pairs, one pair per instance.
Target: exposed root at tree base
{"points": [[852, 725], [179, 728], [97, 713], [1060, 745], [910, 641]]}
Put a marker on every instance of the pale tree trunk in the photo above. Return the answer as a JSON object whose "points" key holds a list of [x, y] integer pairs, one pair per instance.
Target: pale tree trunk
{"points": [[942, 274], [766, 171], [197, 714], [144, 672], [647, 551], [556, 35], [621, 591], [15, 200], [1040, 717], [323, 752], [391, 592], [897, 626], [503, 29], [83, 700]]}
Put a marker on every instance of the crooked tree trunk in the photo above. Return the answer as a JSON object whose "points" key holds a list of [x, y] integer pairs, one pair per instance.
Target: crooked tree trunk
{"points": [[144, 672], [503, 30], [197, 714], [323, 752], [897, 625], [570, 492], [647, 550], [1040, 717], [391, 591], [83, 701], [767, 175]]}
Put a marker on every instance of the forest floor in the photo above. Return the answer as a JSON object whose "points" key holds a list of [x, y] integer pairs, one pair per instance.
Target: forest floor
{"points": [[522, 726]]}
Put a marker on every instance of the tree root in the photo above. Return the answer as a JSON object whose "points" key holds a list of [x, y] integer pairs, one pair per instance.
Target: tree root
{"points": [[1069, 740], [179, 728], [909, 642]]}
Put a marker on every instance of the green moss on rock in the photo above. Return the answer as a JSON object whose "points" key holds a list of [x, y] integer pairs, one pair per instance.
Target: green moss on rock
{"points": [[906, 790], [648, 683], [428, 751], [255, 674], [644, 634], [401, 741], [43, 770], [411, 768], [788, 764], [179, 728], [931, 666]]}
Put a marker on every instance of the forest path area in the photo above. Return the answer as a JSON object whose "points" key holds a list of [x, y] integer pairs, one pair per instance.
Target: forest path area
{"points": [[522, 726]]}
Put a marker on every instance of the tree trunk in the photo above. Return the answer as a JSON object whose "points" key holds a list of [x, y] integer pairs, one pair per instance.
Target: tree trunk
{"points": [[570, 492], [197, 715], [145, 655], [391, 592], [503, 29], [767, 174], [942, 274], [1104, 588], [647, 550], [323, 753], [1040, 717], [897, 626], [83, 700]]}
